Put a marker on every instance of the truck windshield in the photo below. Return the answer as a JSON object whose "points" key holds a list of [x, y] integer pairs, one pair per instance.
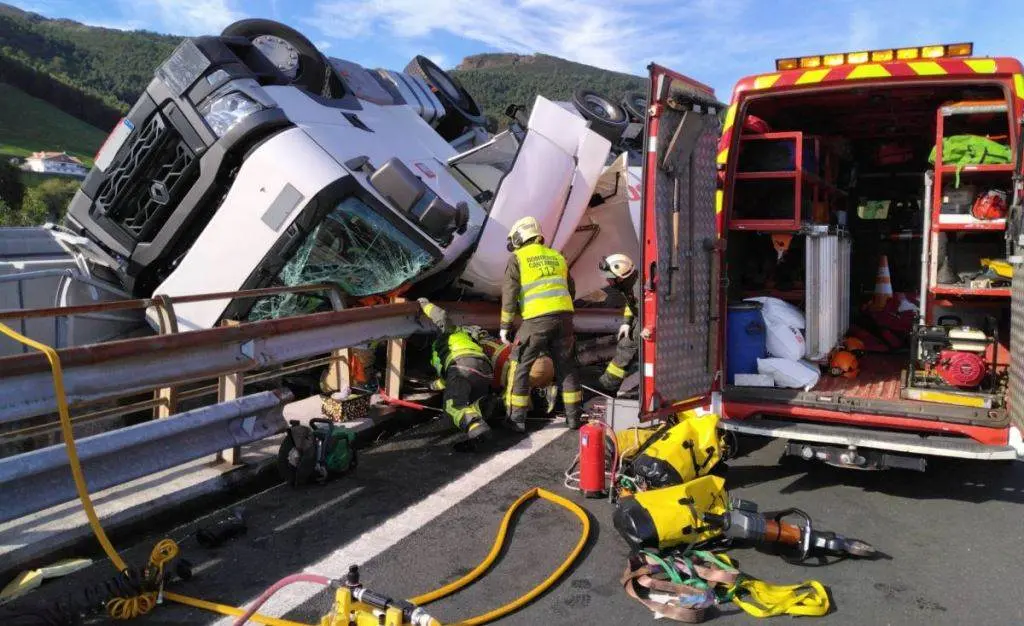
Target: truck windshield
{"points": [[353, 247], [481, 170]]}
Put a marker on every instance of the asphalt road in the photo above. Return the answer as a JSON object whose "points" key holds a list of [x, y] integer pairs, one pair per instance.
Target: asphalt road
{"points": [[419, 514]]}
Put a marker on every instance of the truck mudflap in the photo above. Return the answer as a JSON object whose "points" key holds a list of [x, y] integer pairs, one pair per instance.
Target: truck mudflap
{"points": [[853, 439]]}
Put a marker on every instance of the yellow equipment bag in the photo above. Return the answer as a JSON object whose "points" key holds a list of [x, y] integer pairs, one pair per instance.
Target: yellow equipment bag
{"points": [[687, 450], [663, 518]]}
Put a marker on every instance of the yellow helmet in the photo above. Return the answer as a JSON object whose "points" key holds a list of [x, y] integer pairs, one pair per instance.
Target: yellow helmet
{"points": [[616, 267], [523, 231]]}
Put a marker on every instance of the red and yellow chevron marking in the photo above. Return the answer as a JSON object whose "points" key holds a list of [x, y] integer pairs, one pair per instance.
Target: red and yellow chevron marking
{"points": [[921, 68], [897, 69]]}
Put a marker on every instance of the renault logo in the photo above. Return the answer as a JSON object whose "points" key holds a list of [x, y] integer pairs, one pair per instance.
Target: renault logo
{"points": [[158, 192]]}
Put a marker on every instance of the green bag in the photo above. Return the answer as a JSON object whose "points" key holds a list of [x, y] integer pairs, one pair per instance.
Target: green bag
{"points": [[961, 150]]}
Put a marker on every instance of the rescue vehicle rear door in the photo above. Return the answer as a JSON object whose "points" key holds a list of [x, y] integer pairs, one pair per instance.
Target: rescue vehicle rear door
{"points": [[681, 251]]}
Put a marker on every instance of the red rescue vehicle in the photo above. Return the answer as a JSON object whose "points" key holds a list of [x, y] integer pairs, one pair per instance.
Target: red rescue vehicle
{"points": [[877, 195]]}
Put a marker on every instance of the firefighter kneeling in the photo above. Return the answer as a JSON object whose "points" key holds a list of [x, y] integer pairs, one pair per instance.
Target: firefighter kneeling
{"points": [[538, 286], [620, 272], [465, 373]]}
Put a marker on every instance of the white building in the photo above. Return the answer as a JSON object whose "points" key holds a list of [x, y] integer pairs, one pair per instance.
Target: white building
{"points": [[55, 163]]}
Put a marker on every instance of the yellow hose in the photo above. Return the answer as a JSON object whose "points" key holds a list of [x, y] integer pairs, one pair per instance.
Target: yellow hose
{"points": [[166, 550], [499, 543]]}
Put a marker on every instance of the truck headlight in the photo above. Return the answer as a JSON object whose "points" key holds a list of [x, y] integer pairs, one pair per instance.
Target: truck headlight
{"points": [[225, 112]]}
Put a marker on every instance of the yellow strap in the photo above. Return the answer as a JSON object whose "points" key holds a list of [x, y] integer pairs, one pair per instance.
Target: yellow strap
{"points": [[762, 599], [615, 370]]}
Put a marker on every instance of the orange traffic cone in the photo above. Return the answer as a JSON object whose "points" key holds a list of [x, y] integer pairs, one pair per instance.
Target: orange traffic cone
{"points": [[883, 285]]}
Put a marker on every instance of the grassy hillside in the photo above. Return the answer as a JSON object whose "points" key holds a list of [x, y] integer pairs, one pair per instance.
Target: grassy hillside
{"points": [[28, 124], [497, 80]]}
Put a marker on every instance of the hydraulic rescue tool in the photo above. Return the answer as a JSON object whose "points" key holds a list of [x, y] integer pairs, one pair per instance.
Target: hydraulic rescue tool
{"points": [[315, 452], [743, 521]]}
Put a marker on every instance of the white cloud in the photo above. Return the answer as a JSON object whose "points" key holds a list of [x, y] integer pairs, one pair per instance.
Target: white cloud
{"points": [[323, 46], [439, 59], [198, 17]]}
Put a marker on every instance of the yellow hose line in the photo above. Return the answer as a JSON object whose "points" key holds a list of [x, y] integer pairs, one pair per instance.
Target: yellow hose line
{"points": [[499, 543], [69, 442], [108, 548], [225, 609]]}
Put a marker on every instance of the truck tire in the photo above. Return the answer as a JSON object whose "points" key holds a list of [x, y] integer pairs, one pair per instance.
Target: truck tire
{"points": [[606, 118], [462, 111], [312, 74], [635, 104]]}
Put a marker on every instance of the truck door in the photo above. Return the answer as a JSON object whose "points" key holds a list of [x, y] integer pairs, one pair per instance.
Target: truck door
{"points": [[681, 252]]}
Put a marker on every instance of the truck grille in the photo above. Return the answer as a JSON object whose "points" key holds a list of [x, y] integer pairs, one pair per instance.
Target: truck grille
{"points": [[145, 185]]}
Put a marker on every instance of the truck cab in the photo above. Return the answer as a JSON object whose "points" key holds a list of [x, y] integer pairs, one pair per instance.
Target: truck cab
{"points": [[874, 197]]}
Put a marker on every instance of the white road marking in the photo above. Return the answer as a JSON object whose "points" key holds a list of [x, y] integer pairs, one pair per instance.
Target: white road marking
{"points": [[398, 527]]}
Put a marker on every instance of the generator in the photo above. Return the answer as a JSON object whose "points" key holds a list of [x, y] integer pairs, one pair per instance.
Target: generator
{"points": [[956, 360]]}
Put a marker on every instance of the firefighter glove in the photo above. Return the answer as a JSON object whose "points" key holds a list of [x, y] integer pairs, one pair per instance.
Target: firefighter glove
{"points": [[623, 331], [503, 333]]}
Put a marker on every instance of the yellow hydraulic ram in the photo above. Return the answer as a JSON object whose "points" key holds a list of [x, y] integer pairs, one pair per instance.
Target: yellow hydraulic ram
{"points": [[346, 606]]}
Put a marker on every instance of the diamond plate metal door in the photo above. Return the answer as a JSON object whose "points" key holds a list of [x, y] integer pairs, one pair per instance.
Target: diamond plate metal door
{"points": [[685, 363]]}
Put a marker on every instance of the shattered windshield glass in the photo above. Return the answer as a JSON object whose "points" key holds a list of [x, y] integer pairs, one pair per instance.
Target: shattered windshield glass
{"points": [[480, 170], [353, 247]]}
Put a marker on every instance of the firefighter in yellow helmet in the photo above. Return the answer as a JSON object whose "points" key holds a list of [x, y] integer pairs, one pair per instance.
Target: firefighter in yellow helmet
{"points": [[464, 370], [538, 286], [621, 274]]}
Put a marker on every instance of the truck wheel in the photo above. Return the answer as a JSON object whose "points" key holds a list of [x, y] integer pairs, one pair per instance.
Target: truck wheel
{"points": [[606, 118], [312, 73], [462, 111], [635, 104]]}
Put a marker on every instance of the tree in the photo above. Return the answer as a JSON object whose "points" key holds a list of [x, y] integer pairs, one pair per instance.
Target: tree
{"points": [[12, 190], [48, 201]]}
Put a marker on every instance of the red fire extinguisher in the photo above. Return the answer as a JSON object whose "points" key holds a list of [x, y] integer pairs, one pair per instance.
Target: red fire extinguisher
{"points": [[592, 460]]}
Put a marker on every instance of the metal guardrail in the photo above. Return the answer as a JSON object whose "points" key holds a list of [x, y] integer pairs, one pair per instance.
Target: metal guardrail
{"points": [[37, 480], [585, 319], [119, 368]]}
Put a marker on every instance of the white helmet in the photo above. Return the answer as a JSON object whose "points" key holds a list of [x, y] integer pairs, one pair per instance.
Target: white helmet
{"points": [[523, 231], [617, 267]]}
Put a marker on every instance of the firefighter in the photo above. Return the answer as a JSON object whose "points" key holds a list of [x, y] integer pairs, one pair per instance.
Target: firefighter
{"points": [[538, 286], [620, 272], [542, 373], [464, 370]]}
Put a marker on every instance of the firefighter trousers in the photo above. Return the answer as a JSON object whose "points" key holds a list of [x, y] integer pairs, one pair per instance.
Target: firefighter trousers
{"points": [[626, 353], [552, 335], [467, 383]]}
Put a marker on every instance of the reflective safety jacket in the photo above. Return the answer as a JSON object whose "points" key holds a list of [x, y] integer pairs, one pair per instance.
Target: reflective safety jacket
{"points": [[537, 283], [451, 346]]}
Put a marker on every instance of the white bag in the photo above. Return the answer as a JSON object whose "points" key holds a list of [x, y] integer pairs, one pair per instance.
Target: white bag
{"points": [[790, 374], [777, 311], [785, 342]]}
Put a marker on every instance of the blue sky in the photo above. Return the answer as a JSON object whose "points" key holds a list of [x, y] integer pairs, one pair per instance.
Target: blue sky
{"points": [[715, 41]]}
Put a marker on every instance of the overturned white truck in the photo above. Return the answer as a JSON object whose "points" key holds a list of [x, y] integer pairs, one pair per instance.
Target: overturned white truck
{"points": [[253, 160]]}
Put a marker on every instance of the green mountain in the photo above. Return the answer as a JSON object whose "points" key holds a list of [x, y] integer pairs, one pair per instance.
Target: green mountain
{"points": [[497, 80], [95, 74], [29, 124]]}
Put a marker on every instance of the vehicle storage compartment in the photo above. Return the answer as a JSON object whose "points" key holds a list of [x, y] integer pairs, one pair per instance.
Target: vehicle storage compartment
{"points": [[891, 260]]}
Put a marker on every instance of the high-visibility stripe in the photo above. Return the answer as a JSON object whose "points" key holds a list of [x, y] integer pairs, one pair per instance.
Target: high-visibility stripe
{"points": [[1018, 85], [518, 401], [507, 316], [812, 76], [551, 292], [572, 397], [730, 118], [982, 66], [723, 157], [927, 68], [615, 370], [766, 81], [719, 200], [868, 70], [543, 281]]}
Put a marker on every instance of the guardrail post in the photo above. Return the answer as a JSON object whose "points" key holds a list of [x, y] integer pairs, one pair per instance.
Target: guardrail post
{"points": [[229, 387], [166, 397], [339, 372], [396, 363]]}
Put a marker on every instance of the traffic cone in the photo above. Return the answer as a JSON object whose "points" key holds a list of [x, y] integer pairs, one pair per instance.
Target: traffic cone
{"points": [[883, 285]]}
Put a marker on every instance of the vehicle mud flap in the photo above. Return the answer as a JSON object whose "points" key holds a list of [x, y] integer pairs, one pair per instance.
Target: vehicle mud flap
{"points": [[1016, 386], [686, 228]]}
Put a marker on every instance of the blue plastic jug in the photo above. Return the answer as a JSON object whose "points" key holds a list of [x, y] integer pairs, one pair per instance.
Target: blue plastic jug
{"points": [[745, 340]]}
